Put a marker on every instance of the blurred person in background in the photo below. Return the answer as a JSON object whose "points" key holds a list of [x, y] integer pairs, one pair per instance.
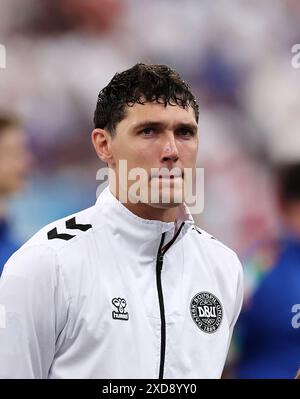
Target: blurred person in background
{"points": [[15, 161], [267, 337]]}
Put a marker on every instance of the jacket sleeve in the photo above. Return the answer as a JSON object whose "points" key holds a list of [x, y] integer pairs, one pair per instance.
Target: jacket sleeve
{"points": [[33, 312], [238, 296]]}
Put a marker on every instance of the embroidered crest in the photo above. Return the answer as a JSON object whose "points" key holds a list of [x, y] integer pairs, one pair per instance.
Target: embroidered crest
{"points": [[206, 311]]}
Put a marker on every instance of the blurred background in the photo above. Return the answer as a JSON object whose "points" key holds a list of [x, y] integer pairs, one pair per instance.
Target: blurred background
{"points": [[235, 54]]}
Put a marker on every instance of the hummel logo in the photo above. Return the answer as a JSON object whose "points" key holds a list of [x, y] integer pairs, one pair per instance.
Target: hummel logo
{"points": [[70, 224], [120, 304]]}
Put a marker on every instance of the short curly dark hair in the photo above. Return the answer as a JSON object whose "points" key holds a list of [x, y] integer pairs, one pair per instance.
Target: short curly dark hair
{"points": [[140, 84]]}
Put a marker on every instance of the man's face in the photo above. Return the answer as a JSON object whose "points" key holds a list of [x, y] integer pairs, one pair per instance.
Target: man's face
{"points": [[154, 136], [15, 160]]}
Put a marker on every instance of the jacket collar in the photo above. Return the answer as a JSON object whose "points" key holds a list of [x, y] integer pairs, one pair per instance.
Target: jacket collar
{"points": [[143, 234]]}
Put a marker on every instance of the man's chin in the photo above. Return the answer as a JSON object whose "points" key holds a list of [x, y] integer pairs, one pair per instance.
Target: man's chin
{"points": [[165, 199], [163, 205], [161, 197]]}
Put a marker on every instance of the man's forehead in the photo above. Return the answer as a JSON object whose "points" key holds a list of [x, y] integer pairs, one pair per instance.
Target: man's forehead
{"points": [[156, 111]]}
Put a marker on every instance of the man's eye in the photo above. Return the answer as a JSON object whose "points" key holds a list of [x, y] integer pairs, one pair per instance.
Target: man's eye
{"points": [[147, 131], [186, 132]]}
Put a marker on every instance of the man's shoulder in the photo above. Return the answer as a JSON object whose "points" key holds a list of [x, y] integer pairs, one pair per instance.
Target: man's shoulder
{"points": [[44, 246], [213, 242], [61, 232], [220, 259], [213, 248]]}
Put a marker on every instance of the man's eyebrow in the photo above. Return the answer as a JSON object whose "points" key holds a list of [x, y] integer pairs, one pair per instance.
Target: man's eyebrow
{"points": [[180, 125], [146, 123], [191, 126]]}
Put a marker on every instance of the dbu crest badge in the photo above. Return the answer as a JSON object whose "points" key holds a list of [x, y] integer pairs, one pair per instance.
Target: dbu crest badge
{"points": [[206, 311]]}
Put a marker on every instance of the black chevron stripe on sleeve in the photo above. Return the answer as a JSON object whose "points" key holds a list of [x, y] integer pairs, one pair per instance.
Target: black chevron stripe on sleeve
{"points": [[71, 224], [53, 234]]}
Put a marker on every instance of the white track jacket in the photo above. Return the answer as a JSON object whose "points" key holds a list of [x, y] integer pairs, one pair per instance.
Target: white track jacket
{"points": [[106, 294]]}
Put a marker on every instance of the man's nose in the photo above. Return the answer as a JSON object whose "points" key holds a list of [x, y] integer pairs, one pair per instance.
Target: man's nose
{"points": [[169, 150]]}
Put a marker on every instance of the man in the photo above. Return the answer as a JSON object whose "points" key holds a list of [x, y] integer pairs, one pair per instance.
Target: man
{"points": [[131, 288], [15, 160]]}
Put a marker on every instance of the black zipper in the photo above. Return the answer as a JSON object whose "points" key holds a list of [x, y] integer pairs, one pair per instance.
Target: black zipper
{"points": [[159, 264]]}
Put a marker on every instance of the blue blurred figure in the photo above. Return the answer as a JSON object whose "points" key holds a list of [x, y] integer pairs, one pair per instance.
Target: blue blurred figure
{"points": [[15, 163], [268, 331]]}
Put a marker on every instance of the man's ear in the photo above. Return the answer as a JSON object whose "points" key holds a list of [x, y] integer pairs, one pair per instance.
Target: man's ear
{"points": [[101, 140]]}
